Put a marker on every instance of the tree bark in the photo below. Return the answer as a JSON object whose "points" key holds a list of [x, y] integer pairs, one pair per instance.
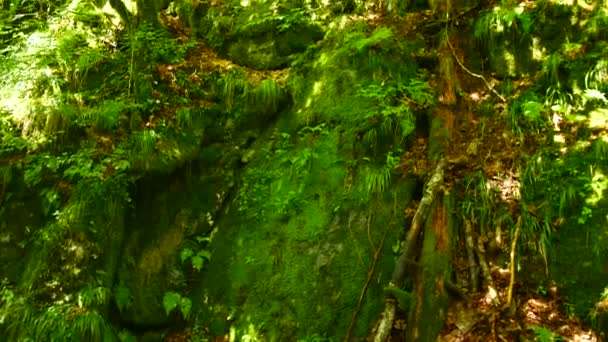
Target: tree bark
{"points": [[430, 193], [427, 315]]}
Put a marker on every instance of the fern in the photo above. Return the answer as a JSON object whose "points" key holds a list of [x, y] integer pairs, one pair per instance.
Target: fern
{"points": [[234, 85], [267, 94], [551, 68], [51, 324], [93, 296], [91, 326], [147, 142], [378, 179], [184, 117], [106, 116], [380, 36]]}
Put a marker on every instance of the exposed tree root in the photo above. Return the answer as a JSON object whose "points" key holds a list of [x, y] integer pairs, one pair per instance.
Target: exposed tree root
{"points": [[407, 256], [470, 245], [370, 274], [485, 271]]}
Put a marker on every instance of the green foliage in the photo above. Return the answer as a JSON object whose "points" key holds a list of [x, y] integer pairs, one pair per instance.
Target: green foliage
{"points": [[316, 338], [91, 326], [267, 95], [377, 180], [234, 85], [379, 37], [123, 296], [526, 115], [196, 258], [217, 25], [545, 335], [106, 116], [260, 19], [91, 297], [173, 300], [393, 115], [145, 143], [480, 203], [551, 69], [502, 20], [155, 45]]}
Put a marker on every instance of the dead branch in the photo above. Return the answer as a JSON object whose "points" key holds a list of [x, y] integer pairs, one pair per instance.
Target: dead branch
{"points": [[512, 266], [490, 87], [430, 192]]}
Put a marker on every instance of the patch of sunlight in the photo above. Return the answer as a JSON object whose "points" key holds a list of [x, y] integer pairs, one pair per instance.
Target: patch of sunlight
{"points": [[575, 117], [599, 184], [538, 51], [38, 41], [308, 102], [510, 62], [317, 87], [251, 335], [499, 26], [323, 59], [598, 118], [582, 145], [559, 138]]}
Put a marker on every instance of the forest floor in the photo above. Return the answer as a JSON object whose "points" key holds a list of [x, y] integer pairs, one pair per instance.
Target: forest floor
{"points": [[476, 143], [496, 152]]}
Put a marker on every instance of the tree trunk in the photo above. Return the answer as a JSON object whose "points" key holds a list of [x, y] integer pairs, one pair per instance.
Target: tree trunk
{"points": [[427, 315]]}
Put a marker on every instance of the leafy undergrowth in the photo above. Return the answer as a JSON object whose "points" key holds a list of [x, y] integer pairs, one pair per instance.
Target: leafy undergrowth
{"points": [[310, 158]]}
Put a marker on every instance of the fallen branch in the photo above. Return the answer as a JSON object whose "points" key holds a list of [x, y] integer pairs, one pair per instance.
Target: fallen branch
{"points": [[490, 87], [370, 274], [430, 192]]}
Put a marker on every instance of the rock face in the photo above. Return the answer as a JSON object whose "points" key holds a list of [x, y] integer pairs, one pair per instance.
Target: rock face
{"points": [[269, 49], [20, 211], [171, 212], [260, 36]]}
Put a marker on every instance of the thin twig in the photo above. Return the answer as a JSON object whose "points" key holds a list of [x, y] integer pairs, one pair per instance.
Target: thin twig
{"points": [[472, 73], [512, 266], [369, 219], [370, 274]]}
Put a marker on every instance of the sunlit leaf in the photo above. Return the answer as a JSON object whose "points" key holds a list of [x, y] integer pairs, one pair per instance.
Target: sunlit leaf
{"points": [[170, 301], [186, 253]]}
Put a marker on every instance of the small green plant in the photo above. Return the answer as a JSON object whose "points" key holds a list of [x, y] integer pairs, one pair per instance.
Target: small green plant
{"points": [[233, 86], [545, 335], [173, 300], [106, 116], [267, 95], [377, 179], [93, 296], [123, 297], [91, 326], [184, 117], [198, 255]]}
